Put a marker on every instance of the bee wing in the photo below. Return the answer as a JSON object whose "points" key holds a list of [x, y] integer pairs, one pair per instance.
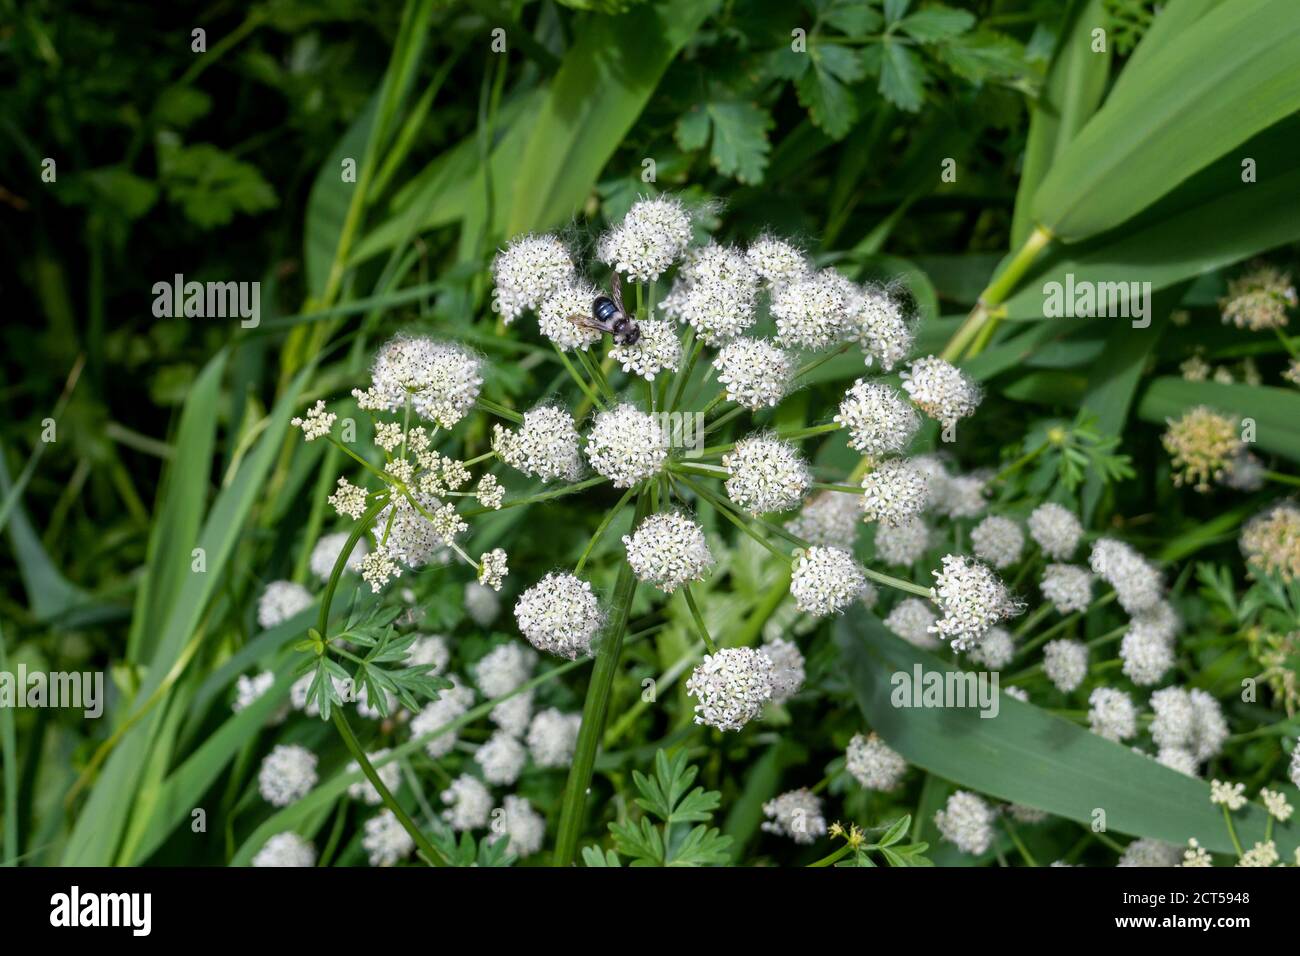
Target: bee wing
{"points": [[586, 322], [618, 292]]}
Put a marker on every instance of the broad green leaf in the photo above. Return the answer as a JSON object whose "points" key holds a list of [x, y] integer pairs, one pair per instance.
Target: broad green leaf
{"points": [[984, 55], [824, 89], [1231, 74], [902, 77], [738, 135], [328, 201], [1027, 756], [1275, 411], [606, 79]]}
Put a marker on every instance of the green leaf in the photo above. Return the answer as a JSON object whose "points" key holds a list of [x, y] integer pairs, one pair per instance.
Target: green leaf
{"points": [[894, 9], [984, 55], [936, 24], [856, 18], [1276, 411], [902, 76], [1025, 755], [210, 185], [1231, 74], [823, 90], [739, 137]]}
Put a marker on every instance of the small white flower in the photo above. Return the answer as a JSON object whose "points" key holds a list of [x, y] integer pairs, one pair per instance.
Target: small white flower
{"points": [[555, 318], [468, 803], [411, 537], [287, 774], [894, 491], [481, 603], [972, 600], [766, 475], [825, 580], [1147, 653], [385, 840], [527, 270], [1056, 530], [941, 390], [390, 774], [513, 713], [716, 293], [523, 827], [1136, 582], [560, 615], [787, 668], [960, 496], [1065, 662], [651, 237], [1150, 853], [545, 446], [1275, 802], [626, 445], [552, 736], [317, 424], [450, 705], [327, 551], [285, 850], [881, 327], [813, 312], [755, 372], [1067, 586], [1112, 714], [504, 668], [879, 422], [995, 650], [874, 764], [657, 348], [731, 687], [830, 519], [280, 601], [668, 550], [796, 814], [441, 380], [967, 822], [913, 621], [378, 568], [1230, 795], [430, 649], [998, 541], [1261, 854], [776, 261], [492, 569], [1180, 759], [249, 689], [490, 492], [348, 500], [1195, 855], [502, 758], [904, 543]]}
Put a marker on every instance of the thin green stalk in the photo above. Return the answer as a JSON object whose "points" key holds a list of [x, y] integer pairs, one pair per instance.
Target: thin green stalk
{"points": [[1019, 844], [509, 414], [594, 710], [540, 496], [986, 310], [580, 380], [699, 619], [833, 858], [1232, 831], [733, 518], [691, 348], [821, 360], [1281, 479], [9, 757], [602, 528]]}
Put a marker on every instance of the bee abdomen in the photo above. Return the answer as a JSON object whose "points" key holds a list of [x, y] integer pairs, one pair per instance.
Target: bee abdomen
{"points": [[604, 309]]}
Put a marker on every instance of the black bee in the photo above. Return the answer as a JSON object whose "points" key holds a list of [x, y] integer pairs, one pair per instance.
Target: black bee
{"points": [[608, 315]]}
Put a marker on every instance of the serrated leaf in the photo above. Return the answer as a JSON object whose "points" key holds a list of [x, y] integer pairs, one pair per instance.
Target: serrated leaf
{"points": [[902, 76], [936, 24], [855, 18], [984, 55], [824, 89]]}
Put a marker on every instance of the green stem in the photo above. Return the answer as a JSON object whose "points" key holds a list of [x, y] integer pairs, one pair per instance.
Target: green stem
{"points": [[1232, 831], [1019, 844], [699, 619], [984, 312], [602, 528], [835, 857], [594, 710], [509, 414], [691, 348], [732, 517], [821, 360], [540, 496], [1282, 479]]}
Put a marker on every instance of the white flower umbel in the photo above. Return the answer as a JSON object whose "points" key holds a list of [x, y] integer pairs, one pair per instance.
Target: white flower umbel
{"points": [[716, 293], [755, 373], [412, 537], [523, 827], [825, 580], [881, 327], [972, 599], [668, 550], [913, 621], [652, 236], [903, 543], [390, 774], [560, 615], [960, 496], [998, 541], [504, 668], [440, 379], [450, 705], [528, 270], [787, 668], [966, 822], [941, 390], [894, 491], [481, 603], [348, 500], [1136, 583], [879, 422], [1065, 662], [552, 736], [731, 687], [1228, 794], [995, 650], [385, 840], [285, 850], [626, 445], [492, 569], [813, 312], [874, 764], [287, 775], [1293, 770], [468, 803], [545, 446], [249, 689], [555, 318], [796, 814], [1112, 714], [1147, 653], [502, 758], [513, 713], [657, 348], [766, 475], [830, 519], [1150, 853], [776, 261], [1055, 529], [317, 424], [280, 601], [1067, 586], [327, 551]]}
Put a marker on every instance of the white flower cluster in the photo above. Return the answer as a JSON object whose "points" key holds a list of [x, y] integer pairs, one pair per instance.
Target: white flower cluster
{"points": [[972, 600], [995, 650], [560, 615], [326, 554], [1056, 530], [776, 261], [440, 380], [545, 446], [552, 737], [528, 270], [766, 475], [280, 601], [788, 672], [523, 827], [1067, 586], [390, 775], [287, 774], [1112, 713], [879, 422], [830, 519], [812, 312], [1065, 662], [895, 491], [450, 705], [825, 580], [882, 328], [286, 850], [731, 687], [626, 445], [1188, 721], [998, 541], [1136, 582], [668, 550], [913, 620], [967, 822], [903, 543], [756, 373], [385, 840], [716, 293], [501, 758], [504, 668], [652, 236], [941, 390], [1147, 648], [469, 803], [796, 814], [874, 764], [657, 349], [557, 317]]}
